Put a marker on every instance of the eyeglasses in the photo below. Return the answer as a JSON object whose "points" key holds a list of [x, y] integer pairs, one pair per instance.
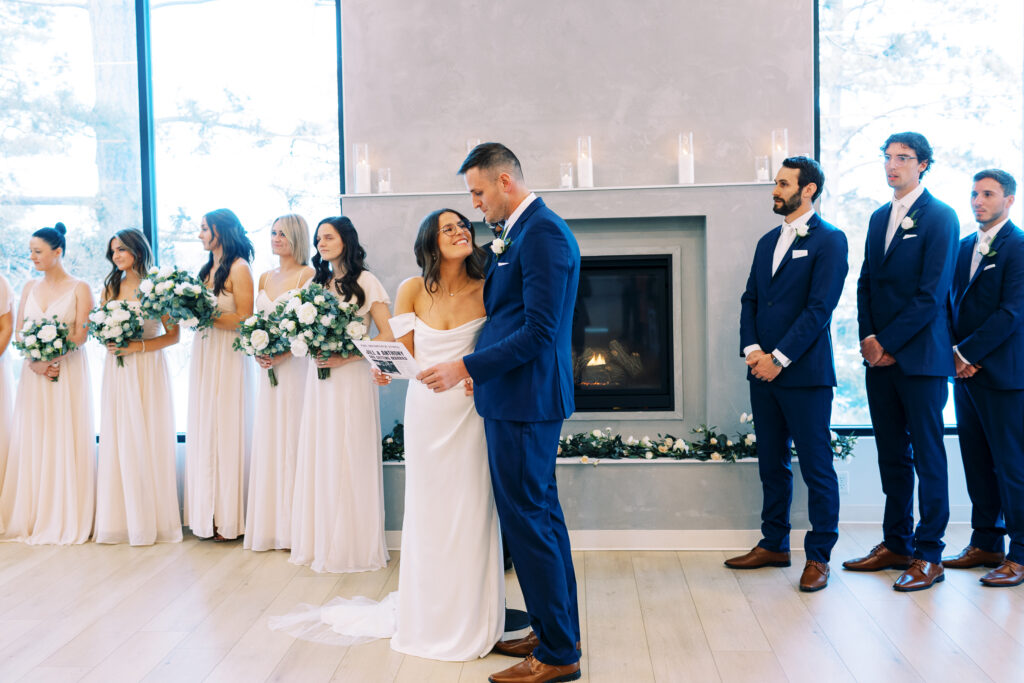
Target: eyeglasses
{"points": [[450, 229], [899, 159]]}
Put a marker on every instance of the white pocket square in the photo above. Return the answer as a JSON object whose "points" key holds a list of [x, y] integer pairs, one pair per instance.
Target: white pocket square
{"points": [[502, 263], [989, 266], [907, 237], [799, 253]]}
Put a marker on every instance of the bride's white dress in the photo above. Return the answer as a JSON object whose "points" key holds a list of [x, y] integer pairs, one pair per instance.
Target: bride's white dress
{"points": [[275, 444], [450, 603], [49, 484]]}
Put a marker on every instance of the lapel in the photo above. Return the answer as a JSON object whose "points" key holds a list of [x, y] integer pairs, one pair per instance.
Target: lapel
{"points": [[520, 224], [997, 243], [812, 223], [963, 268], [915, 211]]}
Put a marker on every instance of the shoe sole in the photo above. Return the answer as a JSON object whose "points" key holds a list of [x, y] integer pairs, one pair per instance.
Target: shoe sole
{"points": [[878, 569], [762, 566], [1000, 585], [812, 590], [989, 565], [920, 588], [559, 679]]}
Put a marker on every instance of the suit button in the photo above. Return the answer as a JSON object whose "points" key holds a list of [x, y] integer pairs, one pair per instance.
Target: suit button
{"points": [[770, 304]]}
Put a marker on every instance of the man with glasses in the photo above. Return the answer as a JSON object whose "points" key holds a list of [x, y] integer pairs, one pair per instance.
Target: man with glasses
{"points": [[902, 294], [987, 320]]}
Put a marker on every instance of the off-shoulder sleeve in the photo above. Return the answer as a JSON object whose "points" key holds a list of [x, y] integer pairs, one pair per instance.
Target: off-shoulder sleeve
{"points": [[402, 324], [6, 296], [374, 291]]}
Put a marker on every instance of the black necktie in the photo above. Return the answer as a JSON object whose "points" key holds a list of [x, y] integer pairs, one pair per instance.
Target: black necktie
{"points": [[498, 228]]}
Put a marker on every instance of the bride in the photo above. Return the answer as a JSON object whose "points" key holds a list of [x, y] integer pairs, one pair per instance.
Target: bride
{"points": [[451, 597]]}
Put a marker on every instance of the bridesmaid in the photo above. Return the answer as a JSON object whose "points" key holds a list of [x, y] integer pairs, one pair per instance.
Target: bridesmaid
{"points": [[47, 494], [338, 509], [136, 487], [268, 517], [6, 395], [220, 388]]}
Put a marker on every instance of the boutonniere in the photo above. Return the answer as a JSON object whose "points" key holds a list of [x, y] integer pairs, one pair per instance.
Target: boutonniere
{"points": [[499, 246], [984, 249], [909, 223], [801, 231]]}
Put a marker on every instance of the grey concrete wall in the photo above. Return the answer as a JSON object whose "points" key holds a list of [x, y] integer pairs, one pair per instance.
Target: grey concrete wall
{"points": [[421, 78]]}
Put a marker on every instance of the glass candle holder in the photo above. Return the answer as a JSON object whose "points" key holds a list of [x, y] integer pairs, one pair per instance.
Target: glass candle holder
{"points": [[361, 171], [685, 153], [762, 172], [383, 180], [565, 175], [584, 162], [780, 148]]}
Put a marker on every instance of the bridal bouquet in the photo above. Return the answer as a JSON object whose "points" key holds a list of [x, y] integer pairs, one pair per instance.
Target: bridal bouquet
{"points": [[318, 324], [44, 339], [116, 322], [181, 297], [261, 335]]}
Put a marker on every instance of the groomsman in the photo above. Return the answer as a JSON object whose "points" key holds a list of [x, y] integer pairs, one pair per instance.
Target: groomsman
{"points": [[795, 281], [902, 294], [987, 319]]}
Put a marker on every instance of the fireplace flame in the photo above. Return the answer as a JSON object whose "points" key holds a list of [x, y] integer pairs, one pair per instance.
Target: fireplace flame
{"points": [[596, 359]]}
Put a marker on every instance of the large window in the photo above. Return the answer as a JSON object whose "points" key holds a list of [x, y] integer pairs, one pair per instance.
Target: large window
{"points": [[951, 71]]}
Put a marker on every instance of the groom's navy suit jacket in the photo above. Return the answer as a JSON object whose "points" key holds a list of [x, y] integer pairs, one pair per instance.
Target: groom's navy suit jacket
{"points": [[790, 310], [902, 292], [987, 310], [522, 366]]}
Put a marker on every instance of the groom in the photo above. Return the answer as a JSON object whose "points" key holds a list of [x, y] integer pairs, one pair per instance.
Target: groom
{"points": [[523, 387]]}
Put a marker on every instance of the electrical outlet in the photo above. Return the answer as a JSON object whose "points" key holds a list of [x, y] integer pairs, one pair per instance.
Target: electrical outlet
{"points": [[844, 481]]}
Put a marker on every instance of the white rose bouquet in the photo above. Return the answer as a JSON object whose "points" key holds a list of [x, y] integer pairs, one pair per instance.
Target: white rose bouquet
{"points": [[261, 335], [318, 324], [116, 322], [44, 339], [174, 293]]}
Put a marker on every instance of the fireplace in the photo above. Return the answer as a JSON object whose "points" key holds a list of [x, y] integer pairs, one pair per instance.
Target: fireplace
{"points": [[622, 334]]}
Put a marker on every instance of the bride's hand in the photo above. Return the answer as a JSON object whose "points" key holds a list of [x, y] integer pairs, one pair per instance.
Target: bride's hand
{"points": [[468, 386], [379, 378]]}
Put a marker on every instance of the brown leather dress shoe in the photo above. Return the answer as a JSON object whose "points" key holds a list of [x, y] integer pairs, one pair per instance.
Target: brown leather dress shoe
{"points": [[878, 559], [815, 576], [758, 557], [1009, 573], [520, 647], [971, 557], [921, 574], [532, 670]]}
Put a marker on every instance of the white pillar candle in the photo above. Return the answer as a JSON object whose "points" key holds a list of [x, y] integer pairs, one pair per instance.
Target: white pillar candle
{"points": [[584, 162], [780, 148], [686, 158], [362, 177]]}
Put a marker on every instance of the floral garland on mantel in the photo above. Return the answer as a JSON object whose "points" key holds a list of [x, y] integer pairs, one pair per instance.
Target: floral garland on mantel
{"points": [[591, 447]]}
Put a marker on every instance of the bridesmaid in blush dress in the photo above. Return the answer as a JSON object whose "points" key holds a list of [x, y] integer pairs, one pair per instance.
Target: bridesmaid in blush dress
{"points": [[6, 391], [136, 483], [338, 508], [48, 492], [220, 388], [268, 517]]}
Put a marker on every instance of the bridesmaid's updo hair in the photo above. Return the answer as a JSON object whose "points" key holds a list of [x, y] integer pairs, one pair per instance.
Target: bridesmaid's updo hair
{"points": [[54, 237], [234, 244], [138, 245], [353, 260], [428, 253]]}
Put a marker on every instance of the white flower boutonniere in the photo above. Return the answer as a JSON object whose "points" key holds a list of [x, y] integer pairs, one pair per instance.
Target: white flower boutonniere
{"points": [[984, 249], [802, 231], [909, 223], [498, 246]]}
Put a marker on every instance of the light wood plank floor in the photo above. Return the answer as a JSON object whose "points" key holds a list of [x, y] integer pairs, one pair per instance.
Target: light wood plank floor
{"points": [[197, 611]]}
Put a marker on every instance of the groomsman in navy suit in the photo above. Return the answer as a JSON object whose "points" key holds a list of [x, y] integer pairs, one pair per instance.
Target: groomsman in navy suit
{"points": [[794, 285], [902, 295], [523, 388], [987, 319]]}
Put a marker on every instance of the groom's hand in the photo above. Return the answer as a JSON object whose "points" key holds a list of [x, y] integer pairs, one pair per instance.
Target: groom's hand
{"points": [[444, 376]]}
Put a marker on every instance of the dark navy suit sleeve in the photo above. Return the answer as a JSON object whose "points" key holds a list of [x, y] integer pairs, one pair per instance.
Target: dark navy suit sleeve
{"points": [[1008, 317], [748, 306], [827, 279], [546, 262], [932, 295]]}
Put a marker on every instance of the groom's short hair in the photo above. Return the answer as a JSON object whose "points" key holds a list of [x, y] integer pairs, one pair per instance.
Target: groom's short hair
{"points": [[810, 172], [1004, 179], [916, 142], [492, 156]]}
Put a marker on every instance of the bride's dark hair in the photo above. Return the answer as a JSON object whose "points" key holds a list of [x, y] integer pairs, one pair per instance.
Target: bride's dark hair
{"points": [[136, 243], [428, 253], [353, 260]]}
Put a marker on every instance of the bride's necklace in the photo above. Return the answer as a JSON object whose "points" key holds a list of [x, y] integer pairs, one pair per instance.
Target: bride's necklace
{"points": [[453, 293]]}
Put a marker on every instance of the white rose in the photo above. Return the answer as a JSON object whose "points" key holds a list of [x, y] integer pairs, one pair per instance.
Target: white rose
{"points": [[250, 321], [839, 449], [165, 271], [179, 288], [194, 289], [716, 456], [292, 304], [112, 332], [498, 246], [584, 460], [668, 442], [713, 441], [356, 329], [164, 287], [648, 455], [645, 442], [298, 347], [288, 325], [27, 326], [833, 436], [190, 322], [307, 313], [326, 320], [597, 433], [748, 439], [259, 339], [907, 223], [154, 270], [743, 417], [146, 286], [308, 334], [98, 317], [728, 442], [58, 344], [30, 340], [47, 333], [120, 315], [319, 299], [680, 445], [631, 439], [35, 354]]}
